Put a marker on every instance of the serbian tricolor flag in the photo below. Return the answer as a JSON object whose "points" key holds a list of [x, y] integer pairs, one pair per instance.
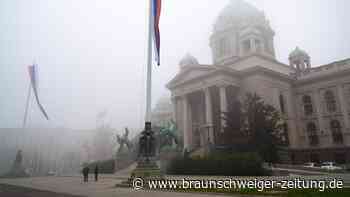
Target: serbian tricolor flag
{"points": [[156, 10], [33, 74]]}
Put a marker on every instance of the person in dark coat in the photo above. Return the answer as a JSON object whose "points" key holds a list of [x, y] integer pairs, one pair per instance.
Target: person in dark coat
{"points": [[86, 174], [96, 173], [83, 172]]}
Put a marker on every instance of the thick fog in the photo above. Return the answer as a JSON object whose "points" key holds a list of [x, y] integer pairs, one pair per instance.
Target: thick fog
{"points": [[92, 54]]}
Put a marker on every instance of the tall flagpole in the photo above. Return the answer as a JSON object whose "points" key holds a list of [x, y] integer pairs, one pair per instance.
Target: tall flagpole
{"points": [[27, 102], [27, 105], [149, 67], [25, 112]]}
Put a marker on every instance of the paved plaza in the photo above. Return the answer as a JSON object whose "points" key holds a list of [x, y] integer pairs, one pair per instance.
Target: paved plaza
{"points": [[105, 187]]}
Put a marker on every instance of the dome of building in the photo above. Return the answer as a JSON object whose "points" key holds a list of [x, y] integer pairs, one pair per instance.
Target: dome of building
{"points": [[236, 13], [241, 30], [163, 105], [162, 112], [188, 60], [299, 60], [297, 52]]}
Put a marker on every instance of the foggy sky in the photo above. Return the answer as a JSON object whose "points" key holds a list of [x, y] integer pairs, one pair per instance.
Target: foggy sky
{"points": [[91, 54]]}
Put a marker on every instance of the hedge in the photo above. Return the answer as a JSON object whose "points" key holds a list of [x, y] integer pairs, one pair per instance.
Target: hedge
{"points": [[237, 164]]}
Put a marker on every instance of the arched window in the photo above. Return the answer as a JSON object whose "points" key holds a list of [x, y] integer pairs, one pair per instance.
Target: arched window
{"points": [[312, 134], [330, 101], [282, 104], [336, 132], [308, 109]]}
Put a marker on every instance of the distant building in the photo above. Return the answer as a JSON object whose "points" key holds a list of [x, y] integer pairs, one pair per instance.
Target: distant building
{"points": [[314, 101], [58, 150], [162, 113]]}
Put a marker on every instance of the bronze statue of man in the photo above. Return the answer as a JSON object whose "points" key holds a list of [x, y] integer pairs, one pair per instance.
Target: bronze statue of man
{"points": [[147, 143]]}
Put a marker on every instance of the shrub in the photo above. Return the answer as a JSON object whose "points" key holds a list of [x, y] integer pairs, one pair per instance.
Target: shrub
{"points": [[238, 164]]}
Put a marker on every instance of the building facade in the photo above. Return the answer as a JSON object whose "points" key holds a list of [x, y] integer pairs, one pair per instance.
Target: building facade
{"points": [[314, 101]]}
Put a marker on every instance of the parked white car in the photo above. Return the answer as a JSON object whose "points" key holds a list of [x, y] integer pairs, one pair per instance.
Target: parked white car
{"points": [[309, 165], [51, 173], [330, 166]]}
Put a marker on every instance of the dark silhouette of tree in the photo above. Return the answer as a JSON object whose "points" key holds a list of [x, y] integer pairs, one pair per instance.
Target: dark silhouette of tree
{"points": [[256, 121], [234, 121]]}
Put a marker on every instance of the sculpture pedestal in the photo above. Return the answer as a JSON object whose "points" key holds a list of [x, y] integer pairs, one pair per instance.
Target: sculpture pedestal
{"points": [[146, 169]]}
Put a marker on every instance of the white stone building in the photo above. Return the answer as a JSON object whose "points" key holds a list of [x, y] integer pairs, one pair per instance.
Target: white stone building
{"points": [[314, 101]]}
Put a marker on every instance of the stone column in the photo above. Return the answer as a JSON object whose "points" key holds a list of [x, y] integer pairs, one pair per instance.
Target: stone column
{"points": [[185, 122], [209, 115], [293, 122], [318, 109], [223, 105], [276, 99], [343, 106], [174, 106], [252, 45]]}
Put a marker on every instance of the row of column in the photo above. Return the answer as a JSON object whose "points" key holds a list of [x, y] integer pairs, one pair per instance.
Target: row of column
{"points": [[186, 114]]}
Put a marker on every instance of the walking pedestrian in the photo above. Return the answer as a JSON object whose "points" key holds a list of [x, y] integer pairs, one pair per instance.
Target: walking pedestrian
{"points": [[96, 173], [86, 174]]}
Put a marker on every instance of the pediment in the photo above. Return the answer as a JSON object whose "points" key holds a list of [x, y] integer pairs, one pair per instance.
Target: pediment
{"points": [[189, 74]]}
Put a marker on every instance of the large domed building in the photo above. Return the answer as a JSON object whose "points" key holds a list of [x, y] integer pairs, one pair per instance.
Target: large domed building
{"points": [[313, 100]]}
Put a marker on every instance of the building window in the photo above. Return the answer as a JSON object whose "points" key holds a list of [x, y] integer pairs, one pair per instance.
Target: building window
{"points": [[308, 109], [282, 105], [330, 101], [336, 132], [312, 134], [314, 157], [340, 158]]}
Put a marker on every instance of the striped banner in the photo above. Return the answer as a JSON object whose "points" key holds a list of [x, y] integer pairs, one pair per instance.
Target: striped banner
{"points": [[34, 82], [156, 8]]}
